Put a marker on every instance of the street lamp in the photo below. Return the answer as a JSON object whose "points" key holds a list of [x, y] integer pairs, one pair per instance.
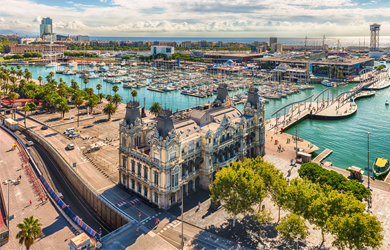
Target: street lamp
{"points": [[368, 159], [182, 212], [296, 140], [297, 238], [8, 183]]}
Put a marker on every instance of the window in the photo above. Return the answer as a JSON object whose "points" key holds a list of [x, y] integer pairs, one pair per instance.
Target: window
{"points": [[124, 141], [133, 166], [197, 144], [132, 184], [176, 179], [145, 172], [173, 198], [145, 191], [124, 163], [155, 197], [156, 156], [172, 156], [139, 169], [138, 188], [156, 178]]}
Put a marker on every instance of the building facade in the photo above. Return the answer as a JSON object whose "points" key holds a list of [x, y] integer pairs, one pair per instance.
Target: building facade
{"points": [[158, 154], [41, 48], [166, 50]]}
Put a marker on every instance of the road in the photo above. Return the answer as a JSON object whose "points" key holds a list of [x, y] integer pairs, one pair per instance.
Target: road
{"points": [[61, 184]]}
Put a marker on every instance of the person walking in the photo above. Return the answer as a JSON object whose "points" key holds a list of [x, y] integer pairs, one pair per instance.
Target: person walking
{"points": [[30, 202], [198, 204], [137, 231]]}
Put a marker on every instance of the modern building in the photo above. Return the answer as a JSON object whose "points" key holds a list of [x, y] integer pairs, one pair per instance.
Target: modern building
{"points": [[224, 57], [186, 44], [41, 48], [190, 145], [80, 38], [166, 50], [272, 40], [27, 40], [46, 30], [276, 47]]}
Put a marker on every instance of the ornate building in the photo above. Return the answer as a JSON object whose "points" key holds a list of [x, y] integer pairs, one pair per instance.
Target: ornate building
{"points": [[190, 145]]}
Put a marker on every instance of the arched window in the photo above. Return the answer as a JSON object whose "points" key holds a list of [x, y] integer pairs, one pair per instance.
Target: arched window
{"points": [[124, 142]]}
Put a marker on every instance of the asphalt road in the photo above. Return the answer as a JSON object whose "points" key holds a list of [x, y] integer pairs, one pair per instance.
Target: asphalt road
{"points": [[71, 196]]}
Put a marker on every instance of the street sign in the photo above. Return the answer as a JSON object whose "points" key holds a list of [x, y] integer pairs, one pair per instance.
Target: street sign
{"points": [[139, 214]]}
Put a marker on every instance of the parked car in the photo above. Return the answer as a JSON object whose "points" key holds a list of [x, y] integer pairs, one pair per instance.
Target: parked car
{"points": [[30, 143], [70, 146], [44, 127]]}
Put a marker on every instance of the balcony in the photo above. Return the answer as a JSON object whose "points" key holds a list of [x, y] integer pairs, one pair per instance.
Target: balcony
{"points": [[224, 163], [191, 175]]}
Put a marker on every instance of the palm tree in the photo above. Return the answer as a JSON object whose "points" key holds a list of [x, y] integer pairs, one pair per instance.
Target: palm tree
{"points": [[62, 92], [18, 67], [109, 110], [155, 108], [89, 91], [101, 96], [19, 74], [51, 74], [117, 99], [12, 97], [86, 81], [13, 79], [48, 78], [73, 84], [78, 101], [115, 89], [92, 102], [99, 87], [134, 93], [6, 65], [63, 106], [40, 80], [25, 109], [109, 98], [28, 75], [30, 230], [5, 78]]}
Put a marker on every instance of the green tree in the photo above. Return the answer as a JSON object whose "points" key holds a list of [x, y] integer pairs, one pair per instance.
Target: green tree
{"points": [[32, 106], [293, 223], [109, 98], [116, 99], [74, 85], [360, 231], [99, 87], [109, 110], [101, 96], [12, 97], [63, 106], [115, 88], [134, 93], [48, 78], [51, 74], [25, 109], [40, 80], [89, 91], [79, 100], [86, 81], [28, 75], [30, 230], [278, 194], [155, 108], [92, 102], [264, 216], [237, 188]]}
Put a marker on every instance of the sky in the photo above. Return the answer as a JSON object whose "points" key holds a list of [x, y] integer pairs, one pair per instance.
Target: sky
{"points": [[199, 18]]}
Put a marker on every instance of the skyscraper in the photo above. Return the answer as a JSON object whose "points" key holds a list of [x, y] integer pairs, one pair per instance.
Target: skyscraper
{"points": [[46, 27]]}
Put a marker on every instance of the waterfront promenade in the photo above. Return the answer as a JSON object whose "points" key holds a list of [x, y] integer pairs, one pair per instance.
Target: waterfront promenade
{"points": [[56, 231]]}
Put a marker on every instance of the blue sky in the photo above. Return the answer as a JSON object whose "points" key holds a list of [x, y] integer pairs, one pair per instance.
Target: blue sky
{"points": [[200, 18]]}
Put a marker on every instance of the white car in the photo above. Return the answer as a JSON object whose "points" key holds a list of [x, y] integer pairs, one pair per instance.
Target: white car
{"points": [[30, 143], [70, 146]]}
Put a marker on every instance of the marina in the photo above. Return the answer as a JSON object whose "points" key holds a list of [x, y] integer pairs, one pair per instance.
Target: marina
{"points": [[150, 86]]}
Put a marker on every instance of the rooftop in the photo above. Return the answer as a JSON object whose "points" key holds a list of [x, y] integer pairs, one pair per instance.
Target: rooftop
{"points": [[344, 61]]}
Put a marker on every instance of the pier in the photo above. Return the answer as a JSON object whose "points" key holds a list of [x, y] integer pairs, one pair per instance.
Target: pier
{"points": [[322, 156]]}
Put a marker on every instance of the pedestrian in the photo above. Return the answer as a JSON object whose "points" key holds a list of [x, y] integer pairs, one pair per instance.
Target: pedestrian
{"points": [[20, 177], [198, 204], [137, 231], [30, 202]]}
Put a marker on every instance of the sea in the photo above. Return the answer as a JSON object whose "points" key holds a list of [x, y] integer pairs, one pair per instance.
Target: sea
{"points": [[347, 138], [331, 41]]}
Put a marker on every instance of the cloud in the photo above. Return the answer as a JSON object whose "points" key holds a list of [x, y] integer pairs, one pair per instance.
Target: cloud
{"points": [[70, 2], [153, 10], [38, 19], [2, 20]]}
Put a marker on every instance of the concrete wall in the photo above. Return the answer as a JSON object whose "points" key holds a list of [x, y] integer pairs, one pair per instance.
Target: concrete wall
{"points": [[108, 213]]}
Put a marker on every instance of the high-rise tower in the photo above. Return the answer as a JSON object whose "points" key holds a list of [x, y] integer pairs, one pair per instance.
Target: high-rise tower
{"points": [[374, 40]]}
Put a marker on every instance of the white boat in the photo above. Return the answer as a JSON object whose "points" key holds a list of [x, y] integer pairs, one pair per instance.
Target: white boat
{"points": [[52, 65], [92, 64], [73, 64], [102, 64], [327, 83], [387, 102]]}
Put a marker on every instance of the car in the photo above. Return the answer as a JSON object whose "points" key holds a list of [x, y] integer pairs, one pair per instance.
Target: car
{"points": [[69, 130], [70, 146], [44, 127], [30, 143]]}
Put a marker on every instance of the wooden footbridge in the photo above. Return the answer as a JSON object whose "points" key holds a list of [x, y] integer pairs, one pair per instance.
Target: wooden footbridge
{"points": [[322, 156]]}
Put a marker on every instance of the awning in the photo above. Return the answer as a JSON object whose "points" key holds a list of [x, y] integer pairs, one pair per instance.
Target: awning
{"points": [[380, 162]]}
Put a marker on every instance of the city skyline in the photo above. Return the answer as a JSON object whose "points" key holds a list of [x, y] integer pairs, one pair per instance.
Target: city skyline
{"points": [[245, 18]]}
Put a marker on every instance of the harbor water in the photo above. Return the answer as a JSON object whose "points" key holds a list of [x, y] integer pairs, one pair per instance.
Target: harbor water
{"points": [[347, 137]]}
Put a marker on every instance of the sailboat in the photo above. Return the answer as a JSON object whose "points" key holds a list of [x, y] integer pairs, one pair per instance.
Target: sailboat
{"points": [[52, 64]]}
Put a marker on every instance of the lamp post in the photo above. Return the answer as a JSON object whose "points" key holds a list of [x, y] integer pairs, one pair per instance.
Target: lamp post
{"points": [[8, 183], [368, 158], [297, 238], [296, 140], [182, 212]]}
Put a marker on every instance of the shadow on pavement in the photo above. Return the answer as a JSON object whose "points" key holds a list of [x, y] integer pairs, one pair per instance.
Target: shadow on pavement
{"points": [[190, 201], [56, 226]]}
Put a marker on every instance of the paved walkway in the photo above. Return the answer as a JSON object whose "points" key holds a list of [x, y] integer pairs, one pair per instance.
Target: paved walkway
{"points": [[56, 230], [103, 185]]}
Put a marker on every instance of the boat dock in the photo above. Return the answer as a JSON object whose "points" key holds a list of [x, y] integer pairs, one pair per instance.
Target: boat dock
{"points": [[322, 156]]}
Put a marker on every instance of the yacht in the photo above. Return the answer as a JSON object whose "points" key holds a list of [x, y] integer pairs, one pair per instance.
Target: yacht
{"points": [[92, 64], [381, 168], [73, 64], [327, 83], [387, 102], [102, 64], [52, 65]]}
